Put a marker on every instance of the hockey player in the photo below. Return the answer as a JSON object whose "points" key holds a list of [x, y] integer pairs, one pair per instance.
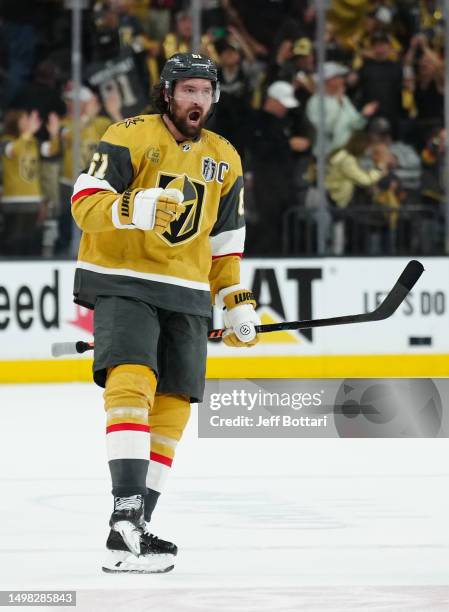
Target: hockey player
{"points": [[161, 210]]}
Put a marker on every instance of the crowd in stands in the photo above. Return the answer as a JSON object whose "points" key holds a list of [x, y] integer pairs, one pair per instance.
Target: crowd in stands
{"points": [[383, 114]]}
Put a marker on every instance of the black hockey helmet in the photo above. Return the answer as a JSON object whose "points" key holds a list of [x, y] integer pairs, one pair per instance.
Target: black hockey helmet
{"points": [[182, 66]]}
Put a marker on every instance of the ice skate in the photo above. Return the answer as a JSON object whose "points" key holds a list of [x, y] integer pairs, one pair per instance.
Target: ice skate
{"points": [[156, 555], [127, 520], [131, 547]]}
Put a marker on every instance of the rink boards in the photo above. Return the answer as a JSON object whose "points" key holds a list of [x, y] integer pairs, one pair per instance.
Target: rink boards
{"points": [[36, 309]]}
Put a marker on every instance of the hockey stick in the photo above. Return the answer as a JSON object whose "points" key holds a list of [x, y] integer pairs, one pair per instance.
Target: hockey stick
{"points": [[394, 299]]}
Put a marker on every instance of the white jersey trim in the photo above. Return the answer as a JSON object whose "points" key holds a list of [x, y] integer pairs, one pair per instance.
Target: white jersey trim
{"points": [[232, 241], [158, 278], [86, 181]]}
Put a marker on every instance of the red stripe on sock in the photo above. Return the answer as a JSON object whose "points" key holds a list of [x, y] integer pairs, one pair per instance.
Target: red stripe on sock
{"points": [[161, 458], [127, 427]]}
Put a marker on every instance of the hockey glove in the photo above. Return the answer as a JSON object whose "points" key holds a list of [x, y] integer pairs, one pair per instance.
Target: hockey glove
{"points": [[240, 316], [148, 209]]}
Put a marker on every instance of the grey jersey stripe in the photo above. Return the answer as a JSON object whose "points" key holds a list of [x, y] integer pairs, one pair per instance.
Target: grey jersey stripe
{"points": [[228, 217], [119, 171]]}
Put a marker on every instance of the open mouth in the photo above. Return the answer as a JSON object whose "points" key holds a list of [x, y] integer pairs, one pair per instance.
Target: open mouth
{"points": [[194, 116]]}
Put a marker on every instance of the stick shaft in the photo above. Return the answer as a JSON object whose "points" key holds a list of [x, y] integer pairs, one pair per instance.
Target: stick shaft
{"points": [[390, 304]]}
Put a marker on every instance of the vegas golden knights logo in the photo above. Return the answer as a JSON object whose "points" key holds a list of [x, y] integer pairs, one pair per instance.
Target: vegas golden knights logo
{"points": [[28, 168], [187, 226]]}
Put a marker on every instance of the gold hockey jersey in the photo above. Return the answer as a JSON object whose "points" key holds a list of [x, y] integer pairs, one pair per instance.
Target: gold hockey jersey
{"points": [[20, 160], [200, 250]]}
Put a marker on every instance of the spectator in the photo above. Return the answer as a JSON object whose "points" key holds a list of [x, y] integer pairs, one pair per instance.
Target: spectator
{"points": [[213, 15], [93, 126], [380, 79], [235, 94], [179, 41], [428, 235], [341, 118], [106, 36], [348, 183], [272, 163], [345, 172], [119, 32], [158, 18], [303, 68], [429, 87], [44, 95], [259, 20], [22, 200], [431, 15], [338, 49], [433, 187], [283, 56], [295, 63], [301, 141], [407, 164], [378, 22], [300, 21], [116, 28]]}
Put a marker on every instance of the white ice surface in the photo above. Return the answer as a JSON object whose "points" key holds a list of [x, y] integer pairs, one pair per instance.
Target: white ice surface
{"points": [[262, 525]]}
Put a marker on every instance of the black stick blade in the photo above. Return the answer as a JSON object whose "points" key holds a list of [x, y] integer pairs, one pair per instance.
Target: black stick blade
{"points": [[411, 274], [402, 287]]}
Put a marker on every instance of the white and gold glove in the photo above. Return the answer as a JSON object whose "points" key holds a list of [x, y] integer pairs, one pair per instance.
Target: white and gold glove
{"points": [[148, 209], [240, 317]]}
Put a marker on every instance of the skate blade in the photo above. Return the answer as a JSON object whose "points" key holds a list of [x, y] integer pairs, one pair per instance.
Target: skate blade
{"points": [[107, 570], [122, 562]]}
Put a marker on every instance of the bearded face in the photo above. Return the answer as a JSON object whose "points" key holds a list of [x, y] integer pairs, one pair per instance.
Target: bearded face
{"points": [[190, 105]]}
